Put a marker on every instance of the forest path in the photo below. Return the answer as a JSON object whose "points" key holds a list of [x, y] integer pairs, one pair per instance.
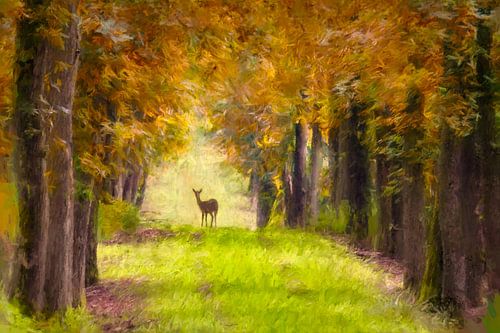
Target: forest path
{"points": [[238, 280], [169, 195]]}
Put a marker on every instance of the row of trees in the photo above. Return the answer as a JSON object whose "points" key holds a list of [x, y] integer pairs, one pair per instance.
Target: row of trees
{"points": [[97, 102], [404, 94]]}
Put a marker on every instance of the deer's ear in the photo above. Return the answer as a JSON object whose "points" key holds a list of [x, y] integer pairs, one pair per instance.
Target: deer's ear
{"points": [[201, 190], [193, 190]]}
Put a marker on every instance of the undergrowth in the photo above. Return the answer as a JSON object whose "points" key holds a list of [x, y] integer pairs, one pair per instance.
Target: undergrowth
{"points": [[72, 321]]}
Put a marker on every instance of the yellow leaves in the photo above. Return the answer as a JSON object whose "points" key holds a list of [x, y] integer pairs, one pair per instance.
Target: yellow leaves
{"points": [[9, 8], [54, 36]]}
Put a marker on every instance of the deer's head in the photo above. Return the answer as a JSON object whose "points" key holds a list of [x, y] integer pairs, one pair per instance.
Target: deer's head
{"points": [[197, 193]]}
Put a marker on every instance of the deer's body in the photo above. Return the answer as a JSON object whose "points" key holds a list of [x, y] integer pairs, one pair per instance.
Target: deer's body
{"points": [[209, 207]]}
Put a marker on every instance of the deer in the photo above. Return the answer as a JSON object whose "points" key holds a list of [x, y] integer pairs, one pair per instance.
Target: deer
{"points": [[207, 207]]}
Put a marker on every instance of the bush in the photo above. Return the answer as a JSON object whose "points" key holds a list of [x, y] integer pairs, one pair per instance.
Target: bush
{"points": [[331, 220], [117, 216]]}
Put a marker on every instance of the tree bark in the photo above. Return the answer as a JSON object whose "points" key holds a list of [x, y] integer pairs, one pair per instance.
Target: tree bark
{"points": [[487, 137], [296, 216], [333, 160], [83, 209], [351, 182], [316, 164], [431, 282], [141, 192], [459, 224], [265, 200], [385, 218], [131, 184], [413, 192], [91, 269], [44, 155], [253, 188]]}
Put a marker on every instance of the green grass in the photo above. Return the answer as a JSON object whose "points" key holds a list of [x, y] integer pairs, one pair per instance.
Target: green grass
{"points": [[72, 321], [236, 280]]}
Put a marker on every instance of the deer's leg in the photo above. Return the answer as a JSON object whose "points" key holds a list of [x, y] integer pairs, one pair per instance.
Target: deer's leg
{"points": [[215, 215], [202, 216]]}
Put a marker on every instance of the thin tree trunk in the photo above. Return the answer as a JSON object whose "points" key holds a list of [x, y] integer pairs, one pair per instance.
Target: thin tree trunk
{"points": [[141, 192], [385, 204], [91, 269], [131, 184], [84, 201], [316, 164], [431, 282], [333, 160], [44, 155], [266, 198], [253, 188], [286, 179], [296, 216]]}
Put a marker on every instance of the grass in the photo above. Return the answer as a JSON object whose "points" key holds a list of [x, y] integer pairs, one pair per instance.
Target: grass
{"points": [[237, 280], [72, 321]]}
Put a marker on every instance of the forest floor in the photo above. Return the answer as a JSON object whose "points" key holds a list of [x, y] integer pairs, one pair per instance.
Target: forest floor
{"points": [[188, 279], [173, 276]]}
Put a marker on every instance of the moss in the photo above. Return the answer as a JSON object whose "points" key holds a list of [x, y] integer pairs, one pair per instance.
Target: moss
{"points": [[430, 289], [117, 216], [374, 221]]}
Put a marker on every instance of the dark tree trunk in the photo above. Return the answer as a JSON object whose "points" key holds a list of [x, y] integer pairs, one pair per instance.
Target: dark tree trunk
{"points": [[141, 191], [266, 198], [296, 216], [316, 164], [413, 195], [351, 182], [459, 224], [333, 161], [431, 282], [83, 209], [44, 155], [253, 188], [91, 270], [397, 226], [286, 179], [385, 218], [131, 184], [489, 154]]}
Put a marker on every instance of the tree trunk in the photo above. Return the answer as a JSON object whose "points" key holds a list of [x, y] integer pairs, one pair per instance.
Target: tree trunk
{"points": [[431, 282], [333, 160], [487, 137], [44, 153], [412, 193], [316, 164], [91, 270], [351, 183], [253, 188], [296, 216], [459, 224], [397, 226], [84, 200], [286, 179], [131, 184], [266, 198], [385, 205], [141, 191]]}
